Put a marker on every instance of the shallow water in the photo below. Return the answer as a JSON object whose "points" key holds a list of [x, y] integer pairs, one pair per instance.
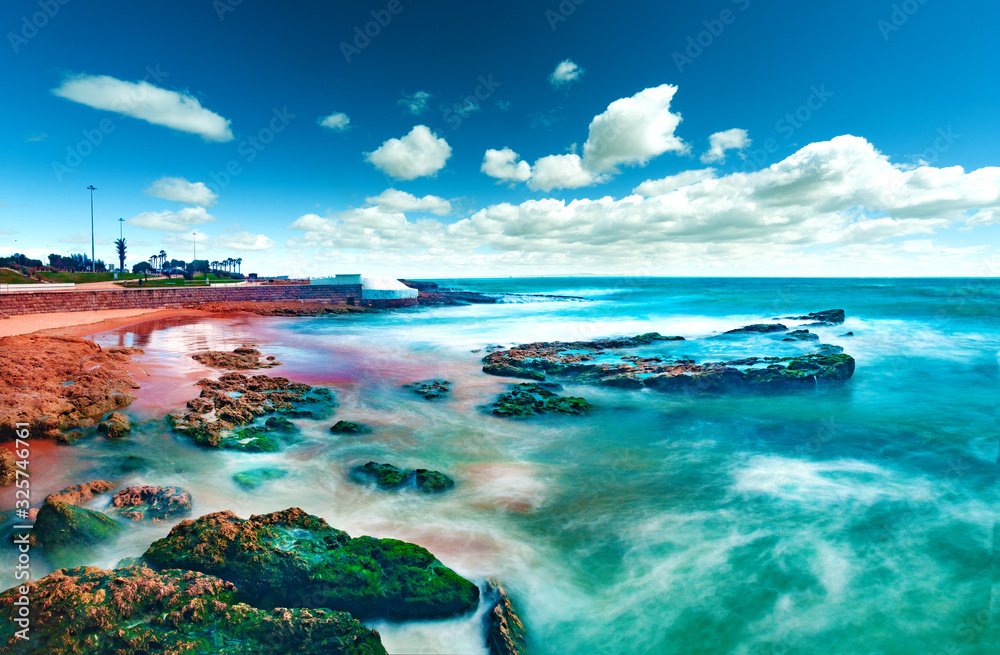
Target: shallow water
{"points": [[857, 519]]}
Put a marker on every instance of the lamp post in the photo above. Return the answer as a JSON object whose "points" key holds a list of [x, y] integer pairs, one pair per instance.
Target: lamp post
{"points": [[93, 268], [121, 223], [194, 246]]}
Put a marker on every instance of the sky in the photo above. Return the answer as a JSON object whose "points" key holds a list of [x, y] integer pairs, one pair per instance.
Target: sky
{"points": [[546, 137]]}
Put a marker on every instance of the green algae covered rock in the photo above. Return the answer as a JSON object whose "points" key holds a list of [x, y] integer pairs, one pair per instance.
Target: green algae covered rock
{"points": [[68, 534], [254, 478], [349, 427], [530, 399], [387, 476], [293, 559], [92, 611]]}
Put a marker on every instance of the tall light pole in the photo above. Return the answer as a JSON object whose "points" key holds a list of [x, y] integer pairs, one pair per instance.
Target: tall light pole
{"points": [[93, 268], [194, 246], [121, 233]]}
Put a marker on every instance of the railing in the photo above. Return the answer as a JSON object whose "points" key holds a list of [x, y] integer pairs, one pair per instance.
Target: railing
{"points": [[36, 288]]}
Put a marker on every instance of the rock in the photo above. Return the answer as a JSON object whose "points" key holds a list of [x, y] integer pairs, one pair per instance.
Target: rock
{"points": [[68, 534], [847, 334], [349, 427], [282, 308], [758, 328], [116, 426], [505, 634], [801, 335], [8, 467], [508, 371], [250, 480], [81, 493], [243, 358], [430, 389], [530, 399], [293, 559], [238, 400], [92, 611], [387, 476], [150, 503], [60, 386], [827, 317]]}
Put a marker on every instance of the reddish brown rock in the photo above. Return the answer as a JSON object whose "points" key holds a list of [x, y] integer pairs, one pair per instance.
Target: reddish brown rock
{"points": [[81, 493], [287, 308], [505, 634], [8, 467], [151, 503], [58, 384], [246, 357], [116, 426]]}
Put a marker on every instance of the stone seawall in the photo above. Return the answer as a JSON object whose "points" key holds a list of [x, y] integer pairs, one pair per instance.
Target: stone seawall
{"points": [[166, 298]]}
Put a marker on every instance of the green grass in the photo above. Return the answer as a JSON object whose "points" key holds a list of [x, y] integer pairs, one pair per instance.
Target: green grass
{"points": [[177, 281], [80, 278], [7, 276]]}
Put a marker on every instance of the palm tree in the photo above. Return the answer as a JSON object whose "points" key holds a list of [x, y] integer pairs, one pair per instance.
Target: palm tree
{"points": [[163, 259], [120, 246], [152, 262], [239, 265]]}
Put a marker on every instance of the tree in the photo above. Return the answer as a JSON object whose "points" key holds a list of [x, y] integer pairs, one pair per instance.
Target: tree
{"points": [[162, 258], [239, 265], [120, 246], [141, 267]]}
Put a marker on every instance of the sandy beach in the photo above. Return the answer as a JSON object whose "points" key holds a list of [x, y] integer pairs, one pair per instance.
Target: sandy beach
{"points": [[80, 324]]}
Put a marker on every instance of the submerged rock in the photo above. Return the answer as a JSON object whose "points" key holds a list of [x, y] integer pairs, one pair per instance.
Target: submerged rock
{"points": [[235, 400], [801, 335], [150, 503], [505, 634], [116, 426], [293, 559], [92, 611], [349, 427], [245, 357], [759, 328], [254, 478], [430, 389], [387, 476], [68, 534], [530, 399]]}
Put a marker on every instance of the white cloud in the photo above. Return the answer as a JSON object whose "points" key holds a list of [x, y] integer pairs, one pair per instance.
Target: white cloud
{"points": [[720, 142], [566, 72], [142, 100], [416, 103], [242, 241], [338, 122], [826, 203], [673, 182], [180, 190], [172, 221], [418, 154], [633, 130], [504, 165], [393, 200], [560, 172]]}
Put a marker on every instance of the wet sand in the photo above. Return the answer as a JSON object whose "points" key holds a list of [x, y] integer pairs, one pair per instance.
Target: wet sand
{"points": [[82, 324]]}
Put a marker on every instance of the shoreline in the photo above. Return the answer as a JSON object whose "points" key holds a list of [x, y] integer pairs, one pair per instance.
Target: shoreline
{"points": [[83, 324]]}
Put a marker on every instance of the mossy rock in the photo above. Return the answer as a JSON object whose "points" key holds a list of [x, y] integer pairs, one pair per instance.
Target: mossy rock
{"points": [[293, 559], [349, 427], [531, 399], [116, 426], [430, 389], [68, 534], [279, 424], [92, 611], [254, 478], [389, 477]]}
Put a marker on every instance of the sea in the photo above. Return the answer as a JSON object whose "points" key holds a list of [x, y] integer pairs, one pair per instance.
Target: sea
{"points": [[854, 518]]}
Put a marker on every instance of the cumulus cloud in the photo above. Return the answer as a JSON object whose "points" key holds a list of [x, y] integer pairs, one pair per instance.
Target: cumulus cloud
{"points": [[180, 190], [633, 130], [504, 165], [560, 172], [416, 103], [338, 122], [169, 221], [565, 73], [673, 182], [142, 100], [393, 200], [821, 204], [243, 242], [720, 142], [418, 154]]}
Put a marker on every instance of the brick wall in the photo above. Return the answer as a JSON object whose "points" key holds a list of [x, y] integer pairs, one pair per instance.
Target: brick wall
{"points": [[165, 298]]}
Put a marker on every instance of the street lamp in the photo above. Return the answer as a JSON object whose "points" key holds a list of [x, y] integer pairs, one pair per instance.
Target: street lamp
{"points": [[194, 246], [93, 268], [121, 222]]}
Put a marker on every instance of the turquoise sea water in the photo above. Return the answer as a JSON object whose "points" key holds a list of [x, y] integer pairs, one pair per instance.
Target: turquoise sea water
{"points": [[854, 519]]}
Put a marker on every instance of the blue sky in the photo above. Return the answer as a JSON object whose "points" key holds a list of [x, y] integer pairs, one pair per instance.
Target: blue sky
{"points": [[736, 137]]}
